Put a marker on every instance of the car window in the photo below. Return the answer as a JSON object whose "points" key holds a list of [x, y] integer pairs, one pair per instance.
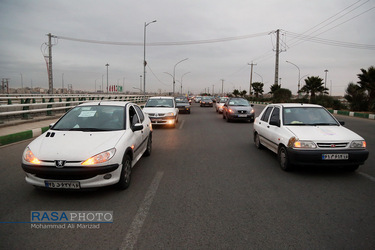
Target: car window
{"points": [[307, 116], [167, 103], [140, 113], [133, 117], [266, 114], [275, 117], [93, 118]]}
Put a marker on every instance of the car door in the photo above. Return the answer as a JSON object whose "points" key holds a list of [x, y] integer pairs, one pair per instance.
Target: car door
{"points": [[137, 135], [262, 125], [273, 129], [146, 125]]}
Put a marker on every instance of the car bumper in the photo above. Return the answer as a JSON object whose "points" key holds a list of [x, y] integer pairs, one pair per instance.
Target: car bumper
{"points": [[315, 157], [87, 177], [184, 109], [162, 120], [207, 104], [248, 117]]}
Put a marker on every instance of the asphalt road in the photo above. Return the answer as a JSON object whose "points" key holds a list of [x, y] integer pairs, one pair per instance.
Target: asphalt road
{"points": [[205, 186]]}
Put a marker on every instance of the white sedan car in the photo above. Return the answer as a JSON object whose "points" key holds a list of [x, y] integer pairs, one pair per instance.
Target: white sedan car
{"points": [[162, 110], [93, 145], [307, 134]]}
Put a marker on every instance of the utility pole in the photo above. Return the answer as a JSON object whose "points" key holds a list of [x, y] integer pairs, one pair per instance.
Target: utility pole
{"points": [[277, 57], [50, 77], [222, 87], [251, 75]]}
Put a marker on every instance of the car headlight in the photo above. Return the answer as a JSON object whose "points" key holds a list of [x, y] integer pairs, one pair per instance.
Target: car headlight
{"points": [[231, 111], [100, 158], [169, 114], [252, 111], [30, 157], [358, 144], [295, 143]]}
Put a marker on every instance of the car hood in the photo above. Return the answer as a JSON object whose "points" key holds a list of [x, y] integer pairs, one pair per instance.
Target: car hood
{"points": [[241, 107], [73, 145], [182, 104], [323, 133], [158, 110]]}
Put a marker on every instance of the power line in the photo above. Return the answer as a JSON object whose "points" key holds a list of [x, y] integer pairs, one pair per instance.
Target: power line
{"points": [[226, 39]]}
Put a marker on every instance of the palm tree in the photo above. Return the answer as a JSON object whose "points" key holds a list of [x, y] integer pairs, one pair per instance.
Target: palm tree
{"points": [[274, 88], [314, 85], [258, 88], [356, 96], [367, 83]]}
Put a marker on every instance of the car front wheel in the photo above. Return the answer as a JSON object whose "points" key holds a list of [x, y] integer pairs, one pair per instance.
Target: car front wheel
{"points": [[124, 181], [284, 159]]}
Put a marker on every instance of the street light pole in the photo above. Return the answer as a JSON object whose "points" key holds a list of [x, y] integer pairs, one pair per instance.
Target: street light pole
{"points": [[174, 71], [107, 76], [299, 75], [144, 56], [181, 79], [325, 80]]}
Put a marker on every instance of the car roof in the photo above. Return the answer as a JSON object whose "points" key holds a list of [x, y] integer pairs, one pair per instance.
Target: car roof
{"points": [[106, 103], [162, 97], [294, 105]]}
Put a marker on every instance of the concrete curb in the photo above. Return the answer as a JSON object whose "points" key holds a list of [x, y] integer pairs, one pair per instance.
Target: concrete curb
{"points": [[21, 136]]}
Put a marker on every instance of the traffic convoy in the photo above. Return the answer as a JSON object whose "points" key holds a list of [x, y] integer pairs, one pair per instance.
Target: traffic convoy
{"points": [[98, 143]]}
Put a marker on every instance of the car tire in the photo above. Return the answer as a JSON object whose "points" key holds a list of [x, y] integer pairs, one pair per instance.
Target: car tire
{"points": [[352, 168], [283, 159], [126, 171], [257, 142], [149, 146], [227, 118]]}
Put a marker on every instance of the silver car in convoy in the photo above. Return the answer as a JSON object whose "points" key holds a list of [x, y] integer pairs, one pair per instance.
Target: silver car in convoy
{"points": [[307, 134], [236, 108], [162, 110], [220, 103]]}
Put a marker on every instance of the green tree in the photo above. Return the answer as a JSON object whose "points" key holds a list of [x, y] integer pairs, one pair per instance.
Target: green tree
{"points": [[282, 95], [274, 87], [236, 92], [258, 88], [356, 96], [243, 93], [367, 83], [314, 85]]}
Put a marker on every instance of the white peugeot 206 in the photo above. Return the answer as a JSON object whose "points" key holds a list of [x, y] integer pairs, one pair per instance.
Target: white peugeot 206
{"points": [[307, 134], [94, 144]]}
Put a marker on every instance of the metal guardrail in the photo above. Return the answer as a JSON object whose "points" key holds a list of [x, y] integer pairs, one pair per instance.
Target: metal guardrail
{"points": [[22, 106]]}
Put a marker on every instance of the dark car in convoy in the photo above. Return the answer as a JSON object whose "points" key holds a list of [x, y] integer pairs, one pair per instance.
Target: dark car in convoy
{"points": [[183, 104], [206, 101], [236, 108]]}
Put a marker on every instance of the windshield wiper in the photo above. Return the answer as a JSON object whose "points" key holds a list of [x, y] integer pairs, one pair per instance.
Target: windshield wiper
{"points": [[324, 123], [87, 129]]}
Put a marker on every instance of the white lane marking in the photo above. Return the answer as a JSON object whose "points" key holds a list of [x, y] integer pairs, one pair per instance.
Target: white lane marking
{"points": [[367, 176], [182, 124], [135, 228]]}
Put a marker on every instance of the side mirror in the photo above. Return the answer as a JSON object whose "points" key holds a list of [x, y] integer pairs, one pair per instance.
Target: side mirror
{"points": [[51, 125], [252, 105], [137, 127], [342, 123], [275, 123]]}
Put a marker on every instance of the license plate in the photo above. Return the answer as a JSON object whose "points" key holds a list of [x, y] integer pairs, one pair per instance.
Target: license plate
{"points": [[335, 156], [242, 115], [62, 184]]}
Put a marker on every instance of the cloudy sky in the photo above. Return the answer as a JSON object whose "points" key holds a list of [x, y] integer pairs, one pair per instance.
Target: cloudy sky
{"points": [[219, 37]]}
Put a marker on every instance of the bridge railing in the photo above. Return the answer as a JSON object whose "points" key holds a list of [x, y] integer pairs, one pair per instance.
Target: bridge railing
{"points": [[24, 106]]}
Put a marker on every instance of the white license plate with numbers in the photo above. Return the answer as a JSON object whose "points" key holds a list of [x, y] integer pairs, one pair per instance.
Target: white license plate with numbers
{"points": [[335, 156]]}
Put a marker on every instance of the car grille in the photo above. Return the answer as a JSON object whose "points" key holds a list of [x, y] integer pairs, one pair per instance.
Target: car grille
{"points": [[156, 114], [332, 145], [242, 111]]}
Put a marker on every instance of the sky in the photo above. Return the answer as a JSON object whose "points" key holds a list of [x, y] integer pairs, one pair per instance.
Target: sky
{"points": [[220, 38]]}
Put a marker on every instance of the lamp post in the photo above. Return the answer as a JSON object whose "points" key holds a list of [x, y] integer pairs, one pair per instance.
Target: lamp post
{"points": [[181, 79], [107, 76], [299, 75], [140, 84], [325, 79], [144, 56], [174, 73]]}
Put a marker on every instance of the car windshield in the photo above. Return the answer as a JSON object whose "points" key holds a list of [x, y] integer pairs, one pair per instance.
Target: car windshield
{"points": [[167, 103], [93, 118], [238, 102], [307, 116], [223, 100], [181, 100]]}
